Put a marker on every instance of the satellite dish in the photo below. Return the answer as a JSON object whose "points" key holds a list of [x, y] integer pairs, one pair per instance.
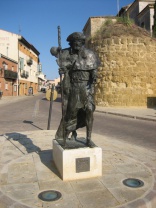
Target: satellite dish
{"points": [[48, 94]]}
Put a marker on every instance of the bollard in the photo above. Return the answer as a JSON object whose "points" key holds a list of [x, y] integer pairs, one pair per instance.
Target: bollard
{"points": [[50, 108], [1, 93]]}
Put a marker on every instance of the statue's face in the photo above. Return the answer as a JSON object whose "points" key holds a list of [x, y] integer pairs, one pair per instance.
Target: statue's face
{"points": [[76, 45]]}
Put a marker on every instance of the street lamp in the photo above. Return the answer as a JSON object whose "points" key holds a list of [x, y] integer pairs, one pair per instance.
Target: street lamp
{"points": [[118, 6]]}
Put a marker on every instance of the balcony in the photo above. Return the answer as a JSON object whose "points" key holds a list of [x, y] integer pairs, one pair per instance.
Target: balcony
{"points": [[8, 74], [27, 75], [24, 74], [30, 61]]}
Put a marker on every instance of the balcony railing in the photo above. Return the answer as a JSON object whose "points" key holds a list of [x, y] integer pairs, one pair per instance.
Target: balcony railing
{"points": [[27, 75], [8, 74], [30, 61], [24, 74]]}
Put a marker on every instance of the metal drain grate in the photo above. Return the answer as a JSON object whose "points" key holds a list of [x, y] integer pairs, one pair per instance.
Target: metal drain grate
{"points": [[133, 182], [50, 195]]}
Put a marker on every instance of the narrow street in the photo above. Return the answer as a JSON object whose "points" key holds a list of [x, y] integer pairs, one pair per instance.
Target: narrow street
{"points": [[32, 113]]}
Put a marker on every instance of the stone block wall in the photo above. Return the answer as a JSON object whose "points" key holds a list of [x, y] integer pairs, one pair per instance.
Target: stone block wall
{"points": [[94, 23], [127, 75]]}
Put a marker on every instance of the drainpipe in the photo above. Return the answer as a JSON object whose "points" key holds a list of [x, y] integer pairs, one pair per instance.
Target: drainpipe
{"points": [[18, 69]]}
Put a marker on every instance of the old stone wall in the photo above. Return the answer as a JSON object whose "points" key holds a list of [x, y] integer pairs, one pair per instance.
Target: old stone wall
{"points": [[94, 23], [127, 75]]}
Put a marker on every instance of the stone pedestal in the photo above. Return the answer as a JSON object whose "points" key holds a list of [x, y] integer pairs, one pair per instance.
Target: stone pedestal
{"points": [[79, 163]]}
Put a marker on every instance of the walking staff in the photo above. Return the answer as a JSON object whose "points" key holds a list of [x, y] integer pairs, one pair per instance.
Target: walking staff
{"points": [[61, 81]]}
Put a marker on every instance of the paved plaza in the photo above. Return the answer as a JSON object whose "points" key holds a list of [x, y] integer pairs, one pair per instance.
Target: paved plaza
{"points": [[27, 169]]}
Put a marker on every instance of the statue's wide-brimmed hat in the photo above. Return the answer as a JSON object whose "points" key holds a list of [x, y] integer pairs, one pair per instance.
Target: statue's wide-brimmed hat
{"points": [[76, 36]]}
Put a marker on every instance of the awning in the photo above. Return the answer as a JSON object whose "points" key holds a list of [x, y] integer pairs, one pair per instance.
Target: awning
{"points": [[41, 76]]}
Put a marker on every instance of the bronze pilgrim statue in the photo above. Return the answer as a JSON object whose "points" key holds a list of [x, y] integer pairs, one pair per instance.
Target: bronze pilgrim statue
{"points": [[78, 71]]}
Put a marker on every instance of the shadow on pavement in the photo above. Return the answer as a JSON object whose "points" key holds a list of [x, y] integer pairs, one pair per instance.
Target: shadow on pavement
{"points": [[47, 159], [45, 99], [23, 140], [31, 122], [59, 100], [45, 155]]}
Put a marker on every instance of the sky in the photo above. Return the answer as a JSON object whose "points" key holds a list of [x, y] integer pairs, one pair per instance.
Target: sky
{"points": [[37, 22]]}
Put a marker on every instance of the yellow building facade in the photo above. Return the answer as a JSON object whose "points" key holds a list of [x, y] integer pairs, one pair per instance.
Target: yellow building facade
{"points": [[16, 47]]}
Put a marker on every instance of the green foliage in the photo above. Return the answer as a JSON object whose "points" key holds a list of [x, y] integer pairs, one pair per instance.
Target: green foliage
{"points": [[109, 28], [125, 20], [108, 22], [123, 26], [104, 26]]}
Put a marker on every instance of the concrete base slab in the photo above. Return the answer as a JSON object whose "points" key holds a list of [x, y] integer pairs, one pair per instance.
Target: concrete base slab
{"points": [[27, 166], [80, 163]]}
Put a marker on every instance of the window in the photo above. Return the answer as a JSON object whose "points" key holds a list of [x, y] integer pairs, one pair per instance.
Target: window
{"points": [[12, 68], [21, 63], [5, 65], [15, 88], [39, 67], [6, 86], [26, 86]]}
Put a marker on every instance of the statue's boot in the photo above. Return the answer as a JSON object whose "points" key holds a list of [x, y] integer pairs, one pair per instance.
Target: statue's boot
{"points": [[66, 135], [74, 135], [89, 142], [59, 133]]}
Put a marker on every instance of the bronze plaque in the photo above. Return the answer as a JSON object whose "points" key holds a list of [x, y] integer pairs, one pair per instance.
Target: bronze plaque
{"points": [[82, 164]]}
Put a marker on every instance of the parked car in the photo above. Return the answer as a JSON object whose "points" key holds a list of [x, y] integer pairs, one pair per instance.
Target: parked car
{"points": [[43, 89]]}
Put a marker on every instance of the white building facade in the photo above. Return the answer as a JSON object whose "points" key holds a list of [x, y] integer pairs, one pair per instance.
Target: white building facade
{"points": [[19, 49], [142, 12]]}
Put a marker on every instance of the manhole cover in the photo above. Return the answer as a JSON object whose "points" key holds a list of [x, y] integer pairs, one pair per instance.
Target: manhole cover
{"points": [[49, 195], [133, 182]]}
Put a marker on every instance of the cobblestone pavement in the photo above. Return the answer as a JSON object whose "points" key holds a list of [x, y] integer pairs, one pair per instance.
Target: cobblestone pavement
{"points": [[27, 168]]}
